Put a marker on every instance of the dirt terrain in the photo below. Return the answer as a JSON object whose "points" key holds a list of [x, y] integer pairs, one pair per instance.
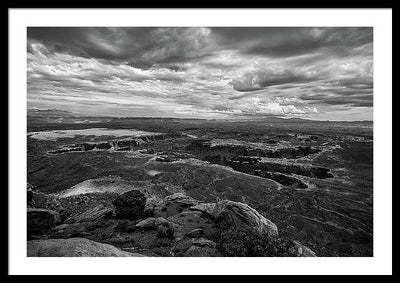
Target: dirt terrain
{"points": [[312, 180]]}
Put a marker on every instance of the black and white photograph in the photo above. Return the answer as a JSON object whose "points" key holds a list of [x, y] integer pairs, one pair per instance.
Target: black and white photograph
{"points": [[200, 141]]}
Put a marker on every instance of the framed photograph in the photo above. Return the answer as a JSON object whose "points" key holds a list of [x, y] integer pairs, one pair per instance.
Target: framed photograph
{"points": [[200, 141]]}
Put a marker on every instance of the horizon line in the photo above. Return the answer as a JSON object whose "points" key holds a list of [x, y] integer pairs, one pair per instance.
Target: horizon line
{"points": [[204, 118]]}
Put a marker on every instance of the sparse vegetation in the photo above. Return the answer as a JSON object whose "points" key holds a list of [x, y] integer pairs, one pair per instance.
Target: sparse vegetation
{"points": [[246, 243], [165, 232]]}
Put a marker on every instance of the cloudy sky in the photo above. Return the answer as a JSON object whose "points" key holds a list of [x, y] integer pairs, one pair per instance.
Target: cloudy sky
{"points": [[232, 72]]}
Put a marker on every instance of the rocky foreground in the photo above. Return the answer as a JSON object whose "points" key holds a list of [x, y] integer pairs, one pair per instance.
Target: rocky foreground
{"points": [[128, 224]]}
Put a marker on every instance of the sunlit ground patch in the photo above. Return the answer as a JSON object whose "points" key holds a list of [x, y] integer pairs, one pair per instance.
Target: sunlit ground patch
{"points": [[56, 134], [110, 184]]}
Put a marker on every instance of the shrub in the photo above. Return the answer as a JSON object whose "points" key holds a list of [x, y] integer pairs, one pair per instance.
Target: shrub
{"points": [[242, 242], [130, 205], [162, 243], [165, 232], [123, 226]]}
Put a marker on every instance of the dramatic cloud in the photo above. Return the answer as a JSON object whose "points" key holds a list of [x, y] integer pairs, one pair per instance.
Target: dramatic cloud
{"points": [[317, 73]]}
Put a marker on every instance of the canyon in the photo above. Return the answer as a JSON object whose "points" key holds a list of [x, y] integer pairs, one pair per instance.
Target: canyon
{"points": [[313, 182]]}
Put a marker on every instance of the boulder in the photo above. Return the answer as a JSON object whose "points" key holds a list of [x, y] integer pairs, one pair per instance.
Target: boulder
{"points": [[239, 215], [130, 205], [164, 227], [153, 223], [302, 251], [41, 221], [94, 214], [74, 247]]}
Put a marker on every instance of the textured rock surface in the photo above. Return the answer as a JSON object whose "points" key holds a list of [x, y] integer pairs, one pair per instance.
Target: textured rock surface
{"points": [[94, 214], [152, 223], [303, 251], [187, 221], [205, 207], [239, 214], [178, 225], [41, 221], [195, 233], [181, 198], [46, 201], [74, 247]]}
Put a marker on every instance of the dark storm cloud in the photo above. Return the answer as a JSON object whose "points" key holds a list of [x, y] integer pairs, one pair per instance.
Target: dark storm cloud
{"points": [[361, 102], [203, 72], [180, 43], [286, 41], [139, 46], [86, 41], [261, 78]]}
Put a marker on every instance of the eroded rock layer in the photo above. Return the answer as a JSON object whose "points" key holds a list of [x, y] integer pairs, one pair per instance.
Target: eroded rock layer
{"points": [[117, 145], [262, 161], [176, 225]]}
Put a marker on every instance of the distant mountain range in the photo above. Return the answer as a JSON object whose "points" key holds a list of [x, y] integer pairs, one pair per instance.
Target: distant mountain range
{"points": [[56, 113], [35, 112]]}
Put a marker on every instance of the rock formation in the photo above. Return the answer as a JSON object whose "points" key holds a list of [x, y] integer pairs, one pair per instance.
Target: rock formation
{"points": [[74, 247], [41, 221], [130, 205], [271, 163], [239, 215], [94, 214], [117, 145], [176, 225]]}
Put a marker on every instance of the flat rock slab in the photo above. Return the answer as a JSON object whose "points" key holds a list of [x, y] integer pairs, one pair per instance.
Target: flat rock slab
{"points": [[94, 214], [152, 223], [74, 247]]}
